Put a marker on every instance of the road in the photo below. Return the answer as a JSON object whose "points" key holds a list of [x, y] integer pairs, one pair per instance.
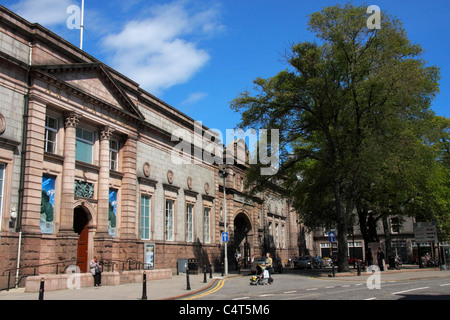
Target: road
{"points": [[298, 285]]}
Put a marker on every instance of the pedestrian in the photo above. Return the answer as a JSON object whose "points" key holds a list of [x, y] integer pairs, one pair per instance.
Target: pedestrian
{"points": [[95, 270], [269, 266], [380, 259], [369, 257]]}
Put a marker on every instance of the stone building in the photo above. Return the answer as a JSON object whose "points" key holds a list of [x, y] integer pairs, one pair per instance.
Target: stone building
{"points": [[87, 168]]}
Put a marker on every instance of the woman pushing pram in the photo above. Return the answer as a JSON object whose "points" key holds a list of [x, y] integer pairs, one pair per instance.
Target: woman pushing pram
{"points": [[263, 273]]}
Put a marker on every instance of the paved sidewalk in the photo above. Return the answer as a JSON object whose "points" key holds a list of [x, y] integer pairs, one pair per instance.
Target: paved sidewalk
{"points": [[164, 289]]}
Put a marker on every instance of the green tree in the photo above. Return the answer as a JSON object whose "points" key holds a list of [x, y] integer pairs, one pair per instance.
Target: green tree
{"points": [[331, 107]]}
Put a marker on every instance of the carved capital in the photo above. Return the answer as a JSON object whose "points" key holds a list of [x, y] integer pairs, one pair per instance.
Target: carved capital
{"points": [[71, 119], [106, 133]]}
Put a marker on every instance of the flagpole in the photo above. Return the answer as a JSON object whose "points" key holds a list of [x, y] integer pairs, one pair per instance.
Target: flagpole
{"points": [[82, 24]]}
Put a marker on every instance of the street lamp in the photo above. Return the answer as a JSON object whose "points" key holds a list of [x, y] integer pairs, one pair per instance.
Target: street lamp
{"points": [[223, 174]]}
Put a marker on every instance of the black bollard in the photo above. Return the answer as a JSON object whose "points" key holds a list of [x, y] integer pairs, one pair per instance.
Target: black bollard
{"points": [[210, 271], [334, 271], [41, 290], [358, 266], [144, 287], [204, 274], [188, 283], [223, 269]]}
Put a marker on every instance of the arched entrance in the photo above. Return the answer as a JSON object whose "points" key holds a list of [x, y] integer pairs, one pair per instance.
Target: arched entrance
{"points": [[242, 237], [80, 226]]}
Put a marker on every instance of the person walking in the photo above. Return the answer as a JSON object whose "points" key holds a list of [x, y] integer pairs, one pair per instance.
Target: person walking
{"points": [[380, 259], [96, 272], [269, 267]]}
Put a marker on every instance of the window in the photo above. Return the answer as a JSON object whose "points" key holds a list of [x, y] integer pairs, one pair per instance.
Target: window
{"points": [[169, 220], [113, 155], [277, 239], [51, 131], [2, 179], [145, 217], [283, 242], [206, 225], [189, 223], [84, 145], [270, 232], [395, 225]]}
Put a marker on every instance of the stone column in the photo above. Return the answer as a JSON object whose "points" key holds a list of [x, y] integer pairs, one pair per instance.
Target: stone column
{"points": [[34, 158], [103, 184], [71, 120], [128, 192]]}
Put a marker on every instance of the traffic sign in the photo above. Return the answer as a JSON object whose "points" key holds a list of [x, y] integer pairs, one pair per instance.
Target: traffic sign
{"points": [[224, 236], [331, 237]]}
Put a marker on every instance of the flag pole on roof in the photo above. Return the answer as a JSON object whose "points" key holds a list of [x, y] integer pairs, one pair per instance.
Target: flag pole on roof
{"points": [[82, 24]]}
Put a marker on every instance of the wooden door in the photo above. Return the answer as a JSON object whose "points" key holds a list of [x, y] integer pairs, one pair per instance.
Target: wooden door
{"points": [[82, 252]]}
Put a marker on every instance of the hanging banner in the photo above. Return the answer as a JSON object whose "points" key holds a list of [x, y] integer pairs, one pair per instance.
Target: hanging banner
{"points": [[112, 212], [47, 204]]}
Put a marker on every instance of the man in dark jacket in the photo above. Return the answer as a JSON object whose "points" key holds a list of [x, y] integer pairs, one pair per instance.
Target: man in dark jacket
{"points": [[380, 258]]}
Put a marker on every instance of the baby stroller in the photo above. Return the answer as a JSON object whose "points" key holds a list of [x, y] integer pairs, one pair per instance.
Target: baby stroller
{"points": [[260, 277]]}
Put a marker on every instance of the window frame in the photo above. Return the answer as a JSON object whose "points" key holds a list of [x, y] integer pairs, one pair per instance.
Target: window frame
{"points": [[190, 222], [49, 129], [145, 217], [169, 220], [114, 153], [3, 167], [85, 141], [207, 224]]}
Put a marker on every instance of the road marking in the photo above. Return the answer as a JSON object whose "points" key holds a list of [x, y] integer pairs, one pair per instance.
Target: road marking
{"points": [[266, 295], [404, 291], [330, 287], [311, 289], [290, 291], [241, 298], [444, 284], [216, 288], [345, 286], [373, 298], [359, 284]]}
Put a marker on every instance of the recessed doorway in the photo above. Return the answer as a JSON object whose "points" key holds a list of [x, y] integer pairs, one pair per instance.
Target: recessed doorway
{"points": [[80, 226]]}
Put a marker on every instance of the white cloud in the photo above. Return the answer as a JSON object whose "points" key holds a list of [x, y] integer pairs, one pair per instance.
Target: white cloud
{"points": [[44, 12], [159, 52], [194, 98]]}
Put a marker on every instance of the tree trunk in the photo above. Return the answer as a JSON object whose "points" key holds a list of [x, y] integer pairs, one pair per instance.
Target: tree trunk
{"points": [[341, 228]]}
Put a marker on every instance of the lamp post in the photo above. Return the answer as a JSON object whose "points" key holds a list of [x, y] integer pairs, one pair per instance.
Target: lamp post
{"points": [[223, 173]]}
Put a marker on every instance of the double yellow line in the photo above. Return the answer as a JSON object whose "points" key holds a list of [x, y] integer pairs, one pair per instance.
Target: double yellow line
{"points": [[217, 287]]}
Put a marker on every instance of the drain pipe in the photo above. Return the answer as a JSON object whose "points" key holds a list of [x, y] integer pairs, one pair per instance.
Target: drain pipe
{"points": [[22, 162]]}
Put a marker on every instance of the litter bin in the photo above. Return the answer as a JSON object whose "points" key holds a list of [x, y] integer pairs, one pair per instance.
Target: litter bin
{"points": [[193, 266], [181, 265]]}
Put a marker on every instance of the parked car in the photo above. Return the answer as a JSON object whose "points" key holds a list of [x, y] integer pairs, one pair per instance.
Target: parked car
{"points": [[276, 264], [303, 262]]}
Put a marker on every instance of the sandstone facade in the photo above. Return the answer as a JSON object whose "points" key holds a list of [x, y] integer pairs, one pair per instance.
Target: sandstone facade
{"points": [[87, 166]]}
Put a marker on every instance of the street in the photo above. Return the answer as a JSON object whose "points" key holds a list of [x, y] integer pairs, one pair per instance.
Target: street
{"points": [[303, 285]]}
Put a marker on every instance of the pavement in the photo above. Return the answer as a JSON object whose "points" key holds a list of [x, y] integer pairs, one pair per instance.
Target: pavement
{"points": [[176, 287]]}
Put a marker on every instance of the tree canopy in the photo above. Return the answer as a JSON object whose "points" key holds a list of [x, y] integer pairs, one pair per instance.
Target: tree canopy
{"points": [[356, 133]]}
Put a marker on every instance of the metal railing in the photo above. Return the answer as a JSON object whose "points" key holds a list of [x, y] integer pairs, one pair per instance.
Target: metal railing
{"points": [[123, 265], [61, 266], [56, 266]]}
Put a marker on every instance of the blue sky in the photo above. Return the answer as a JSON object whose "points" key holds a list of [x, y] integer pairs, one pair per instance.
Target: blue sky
{"points": [[198, 55]]}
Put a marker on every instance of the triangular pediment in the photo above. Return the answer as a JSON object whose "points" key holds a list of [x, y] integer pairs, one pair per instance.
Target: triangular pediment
{"points": [[96, 81]]}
